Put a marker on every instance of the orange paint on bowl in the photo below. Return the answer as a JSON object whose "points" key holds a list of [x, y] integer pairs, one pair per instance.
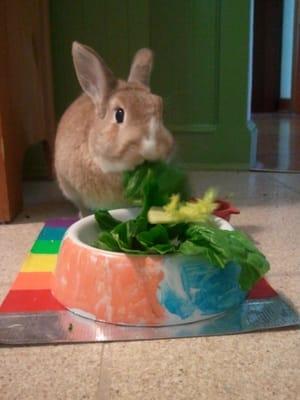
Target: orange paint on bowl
{"points": [[111, 287]]}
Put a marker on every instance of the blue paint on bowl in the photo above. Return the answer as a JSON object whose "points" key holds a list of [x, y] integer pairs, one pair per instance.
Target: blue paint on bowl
{"points": [[176, 304], [190, 285]]}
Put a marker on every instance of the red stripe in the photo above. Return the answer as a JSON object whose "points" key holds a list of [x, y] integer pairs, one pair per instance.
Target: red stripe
{"points": [[30, 301], [262, 290]]}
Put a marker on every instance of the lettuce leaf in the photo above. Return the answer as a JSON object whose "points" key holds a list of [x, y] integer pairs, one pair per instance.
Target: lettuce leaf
{"points": [[219, 247]]}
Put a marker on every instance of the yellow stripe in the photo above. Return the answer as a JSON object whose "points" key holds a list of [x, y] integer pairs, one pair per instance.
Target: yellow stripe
{"points": [[39, 263]]}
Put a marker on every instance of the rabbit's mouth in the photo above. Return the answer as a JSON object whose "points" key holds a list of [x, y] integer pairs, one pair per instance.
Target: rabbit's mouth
{"points": [[149, 142], [112, 166], [149, 152], [117, 164]]}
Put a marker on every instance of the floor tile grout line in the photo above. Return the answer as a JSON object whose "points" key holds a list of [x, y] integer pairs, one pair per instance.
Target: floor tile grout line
{"points": [[286, 186], [103, 386]]}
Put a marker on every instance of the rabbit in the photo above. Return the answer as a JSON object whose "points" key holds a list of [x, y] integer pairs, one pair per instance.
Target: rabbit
{"points": [[112, 127]]}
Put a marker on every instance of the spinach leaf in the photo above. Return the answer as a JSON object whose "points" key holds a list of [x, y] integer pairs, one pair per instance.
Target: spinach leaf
{"points": [[177, 231], [106, 241], [152, 183], [121, 234], [105, 220], [161, 249], [156, 240], [156, 234]]}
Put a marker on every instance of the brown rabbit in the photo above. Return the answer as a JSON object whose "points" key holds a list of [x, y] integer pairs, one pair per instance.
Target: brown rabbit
{"points": [[112, 127]]}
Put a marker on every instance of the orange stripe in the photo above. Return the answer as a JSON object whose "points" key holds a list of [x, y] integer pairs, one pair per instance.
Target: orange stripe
{"points": [[33, 281]]}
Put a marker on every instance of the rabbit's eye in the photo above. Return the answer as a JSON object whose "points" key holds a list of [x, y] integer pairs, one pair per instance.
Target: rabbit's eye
{"points": [[119, 115]]}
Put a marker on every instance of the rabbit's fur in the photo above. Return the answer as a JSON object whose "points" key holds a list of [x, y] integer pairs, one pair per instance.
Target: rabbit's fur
{"points": [[92, 146]]}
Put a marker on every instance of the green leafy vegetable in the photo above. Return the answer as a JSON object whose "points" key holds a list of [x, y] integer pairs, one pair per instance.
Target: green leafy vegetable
{"points": [[220, 247], [156, 240], [126, 235], [151, 185], [176, 231], [105, 220], [106, 241]]}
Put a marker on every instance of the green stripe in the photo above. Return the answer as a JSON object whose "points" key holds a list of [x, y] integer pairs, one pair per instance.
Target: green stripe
{"points": [[46, 247]]}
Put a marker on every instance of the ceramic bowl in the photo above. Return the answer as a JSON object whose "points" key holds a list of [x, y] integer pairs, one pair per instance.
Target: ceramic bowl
{"points": [[140, 290]]}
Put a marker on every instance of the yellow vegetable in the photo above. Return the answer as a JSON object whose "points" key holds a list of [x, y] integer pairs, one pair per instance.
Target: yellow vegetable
{"points": [[176, 211]]}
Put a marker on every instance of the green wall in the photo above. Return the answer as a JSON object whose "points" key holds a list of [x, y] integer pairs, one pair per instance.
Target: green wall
{"points": [[201, 67]]}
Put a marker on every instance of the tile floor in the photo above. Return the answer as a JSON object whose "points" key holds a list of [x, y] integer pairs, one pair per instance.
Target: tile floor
{"points": [[249, 367], [278, 142]]}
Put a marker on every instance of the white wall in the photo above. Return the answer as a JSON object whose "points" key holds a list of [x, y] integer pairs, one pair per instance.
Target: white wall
{"points": [[287, 49], [250, 67]]}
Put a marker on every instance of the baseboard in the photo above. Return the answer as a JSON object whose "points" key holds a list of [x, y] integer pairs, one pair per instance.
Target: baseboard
{"points": [[215, 167], [285, 105]]}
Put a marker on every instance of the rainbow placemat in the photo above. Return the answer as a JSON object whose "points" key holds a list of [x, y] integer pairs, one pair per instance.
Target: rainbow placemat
{"points": [[31, 315], [31, 291]]}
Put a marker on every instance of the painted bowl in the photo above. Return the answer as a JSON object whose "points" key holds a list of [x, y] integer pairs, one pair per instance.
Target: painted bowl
{"points": [[136, 289]]}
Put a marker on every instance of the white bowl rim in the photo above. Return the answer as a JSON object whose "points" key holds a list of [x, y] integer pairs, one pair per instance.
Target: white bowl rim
{"points": [[73, 234]]}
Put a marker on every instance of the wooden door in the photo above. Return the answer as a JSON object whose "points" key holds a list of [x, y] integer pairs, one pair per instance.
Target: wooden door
{"points": [[26, 109], [267, 40]]}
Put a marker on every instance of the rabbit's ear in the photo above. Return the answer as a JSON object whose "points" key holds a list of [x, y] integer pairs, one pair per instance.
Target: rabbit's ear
{"points": [[95, 78], [141, 67]]}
